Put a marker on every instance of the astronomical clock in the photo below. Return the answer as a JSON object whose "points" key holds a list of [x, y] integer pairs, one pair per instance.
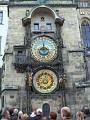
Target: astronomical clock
{"points": [[43, 43], [44, 50]]}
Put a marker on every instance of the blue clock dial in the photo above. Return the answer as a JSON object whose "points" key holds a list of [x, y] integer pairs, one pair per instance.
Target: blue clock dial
{"points": [[43, 49]]}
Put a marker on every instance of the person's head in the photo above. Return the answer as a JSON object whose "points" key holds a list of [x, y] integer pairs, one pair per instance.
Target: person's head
{"points": [[15, 111], [79, 115], [39, 112], [53, 115], [11, 111], [65, 113], [86, 110], [20, 114], [25, 116], [6, 114]]}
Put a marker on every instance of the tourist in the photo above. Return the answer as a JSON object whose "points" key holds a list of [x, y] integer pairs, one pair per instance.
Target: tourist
{"points": [[53, 115], [5, 115], [65, 113], [80, 115]]}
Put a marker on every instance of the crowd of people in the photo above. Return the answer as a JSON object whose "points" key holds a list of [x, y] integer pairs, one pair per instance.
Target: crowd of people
{"points": [[64, 114]]}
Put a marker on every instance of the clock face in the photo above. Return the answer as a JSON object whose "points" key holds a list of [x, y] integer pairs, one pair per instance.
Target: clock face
{"points": [[45, 81], [43, 49]]}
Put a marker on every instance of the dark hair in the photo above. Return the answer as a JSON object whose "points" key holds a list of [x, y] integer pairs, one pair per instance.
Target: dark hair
{"points": [[86, 110], [11, 111]]}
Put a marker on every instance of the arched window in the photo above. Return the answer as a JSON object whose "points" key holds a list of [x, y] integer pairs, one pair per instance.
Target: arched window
{"points": [[85, 26]]}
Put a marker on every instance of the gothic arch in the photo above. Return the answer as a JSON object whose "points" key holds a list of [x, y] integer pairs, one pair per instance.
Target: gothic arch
{"points": [[85, 21], [85, 31], [43, 8]]}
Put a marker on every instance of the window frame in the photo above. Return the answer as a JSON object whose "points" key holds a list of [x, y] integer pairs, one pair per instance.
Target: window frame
{"points": [[0, 43], [1, 17], [49, 26], [36, 26], [85, 29]]}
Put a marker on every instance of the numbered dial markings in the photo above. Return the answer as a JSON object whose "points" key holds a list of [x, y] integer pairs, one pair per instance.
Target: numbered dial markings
{"points": [[45, 81], [43, 49]]}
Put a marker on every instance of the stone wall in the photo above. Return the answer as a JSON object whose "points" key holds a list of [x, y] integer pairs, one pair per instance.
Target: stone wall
{"points": [[72, 51]]}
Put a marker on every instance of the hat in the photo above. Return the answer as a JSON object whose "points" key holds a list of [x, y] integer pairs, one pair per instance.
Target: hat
{"points": [[39, 110]]}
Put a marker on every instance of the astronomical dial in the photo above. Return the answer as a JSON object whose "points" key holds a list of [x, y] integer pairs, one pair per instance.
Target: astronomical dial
{"points": [[43, 49], [45, 81]]}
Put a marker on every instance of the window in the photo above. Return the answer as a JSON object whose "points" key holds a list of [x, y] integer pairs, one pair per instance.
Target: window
{"points": [[20, 52], [11, 96], [27, 12], [85, 26], [0, 44], [49, 26], [1, 17], [57, 12], [83, 4], [2, 101], [36, 26]]}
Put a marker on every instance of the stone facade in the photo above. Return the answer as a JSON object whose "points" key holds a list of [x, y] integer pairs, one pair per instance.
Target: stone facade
{"points": [[13, 83], [3, 30], [3, 35]]}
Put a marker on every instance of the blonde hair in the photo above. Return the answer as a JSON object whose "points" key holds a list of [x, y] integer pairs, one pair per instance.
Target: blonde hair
{"points": [[25, 116], [79, 115]]}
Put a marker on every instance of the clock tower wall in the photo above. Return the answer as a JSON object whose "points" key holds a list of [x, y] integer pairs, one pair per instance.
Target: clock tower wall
{"points": [[59, 33], [72, 52]]}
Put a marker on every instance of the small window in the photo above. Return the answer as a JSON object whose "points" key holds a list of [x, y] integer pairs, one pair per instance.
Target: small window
{"points": [[57, 12], [36, 26], [2, 101], [20, 52], [1, 17], [27, 12], [11, 96], [49, 26]]}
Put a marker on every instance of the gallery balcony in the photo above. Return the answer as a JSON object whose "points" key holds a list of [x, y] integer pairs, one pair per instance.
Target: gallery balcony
{"points": [[20, 59], [21, 62]]}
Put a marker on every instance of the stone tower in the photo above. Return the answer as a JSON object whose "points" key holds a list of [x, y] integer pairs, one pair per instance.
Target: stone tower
{"points": [[44, 60]]}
